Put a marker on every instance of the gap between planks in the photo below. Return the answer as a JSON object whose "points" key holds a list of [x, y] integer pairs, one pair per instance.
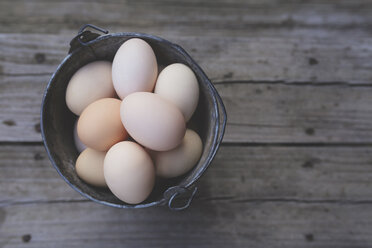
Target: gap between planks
{"points": [[230, 144], [296, 83], [226, 199]]}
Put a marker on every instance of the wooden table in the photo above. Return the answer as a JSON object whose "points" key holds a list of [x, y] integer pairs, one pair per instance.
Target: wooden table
{"points": [[295, 166]]}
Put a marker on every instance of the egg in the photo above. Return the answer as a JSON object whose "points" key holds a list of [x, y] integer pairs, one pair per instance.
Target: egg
{"points": [[178, 84], [134, 68], [90, 83], [99, 126], [89, 167], [78, 144], [152, 121], [129, 172], [181, 159]]}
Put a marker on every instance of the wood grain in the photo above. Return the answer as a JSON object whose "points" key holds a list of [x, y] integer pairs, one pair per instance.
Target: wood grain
{"points": [[205, 224], [287, 113], [28, 60], [275, 59], [294, 168], [238, 174], [257, 112], [218, 18], [250, 196]]}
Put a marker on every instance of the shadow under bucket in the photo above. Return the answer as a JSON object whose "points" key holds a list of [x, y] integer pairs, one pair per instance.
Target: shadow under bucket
{"points": [[57, 121]]}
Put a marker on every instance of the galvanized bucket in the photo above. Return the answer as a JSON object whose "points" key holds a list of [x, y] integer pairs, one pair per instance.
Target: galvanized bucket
{"points": [[209, 119]]}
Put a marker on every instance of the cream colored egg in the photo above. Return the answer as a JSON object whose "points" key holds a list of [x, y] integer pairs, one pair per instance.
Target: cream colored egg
{"points": [[90, 83], [178, 83], [134, 68], [181, 159], [99, 126], [152, 121], [129, 172], [89, 167], [78, 144]]}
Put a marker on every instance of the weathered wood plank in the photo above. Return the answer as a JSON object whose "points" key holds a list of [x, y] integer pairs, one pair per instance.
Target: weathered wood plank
{"points": [[340, 174], [248, 18], [233, 58], [20, 100], [205, 224], [257, 112], [297, 114], [252, 196]]}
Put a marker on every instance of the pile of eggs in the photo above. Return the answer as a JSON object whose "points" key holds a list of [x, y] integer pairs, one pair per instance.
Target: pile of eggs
{"points": [[131, 124]]}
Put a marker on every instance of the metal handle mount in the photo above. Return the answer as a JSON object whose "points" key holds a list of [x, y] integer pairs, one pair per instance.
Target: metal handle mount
{"points": [[84, 37], [174, 192]]}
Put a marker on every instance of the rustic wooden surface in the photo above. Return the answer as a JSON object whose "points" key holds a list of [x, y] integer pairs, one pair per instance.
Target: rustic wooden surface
{"points": [[295, 167]]}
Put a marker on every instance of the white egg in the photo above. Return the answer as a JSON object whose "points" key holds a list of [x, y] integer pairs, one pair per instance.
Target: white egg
{"points": [[90, 83], [152, 121], [134, 68], [181, 159], [178, 84], [129, 172]]}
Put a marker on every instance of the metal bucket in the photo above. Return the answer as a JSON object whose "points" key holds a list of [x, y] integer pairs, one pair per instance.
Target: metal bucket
{"points": [[57, 122]]}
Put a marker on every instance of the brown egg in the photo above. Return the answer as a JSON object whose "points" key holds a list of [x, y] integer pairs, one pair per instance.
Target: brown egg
{"points": [[99, 126], [129, 172], [89, 167], [153, 121]]}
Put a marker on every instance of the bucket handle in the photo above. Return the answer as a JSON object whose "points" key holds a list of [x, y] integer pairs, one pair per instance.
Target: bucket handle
{"points": [[84, 37], [172, 193]]}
